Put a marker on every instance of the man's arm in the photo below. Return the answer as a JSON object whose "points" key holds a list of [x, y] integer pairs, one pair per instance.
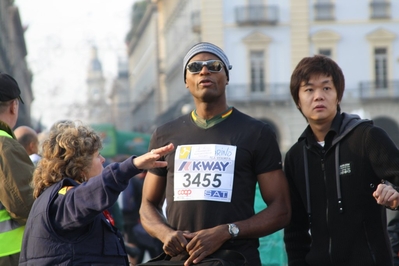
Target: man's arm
{"points": [[152, 218], [274, 190], [16, 194], [384, 157]]}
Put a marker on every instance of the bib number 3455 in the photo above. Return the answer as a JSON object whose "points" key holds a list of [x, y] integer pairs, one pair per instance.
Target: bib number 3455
{"points": [[203, 180]]}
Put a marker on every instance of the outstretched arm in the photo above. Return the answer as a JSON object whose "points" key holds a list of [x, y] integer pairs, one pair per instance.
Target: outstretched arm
{"points": [[149, 159]]}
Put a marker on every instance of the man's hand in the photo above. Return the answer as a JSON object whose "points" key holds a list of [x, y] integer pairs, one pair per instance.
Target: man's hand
{"points": [[386, 195], [205, 242], [149, 159], [175, 243]]}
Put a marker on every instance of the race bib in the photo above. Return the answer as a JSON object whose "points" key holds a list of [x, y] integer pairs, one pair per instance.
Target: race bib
{"points": [[204, 172]]}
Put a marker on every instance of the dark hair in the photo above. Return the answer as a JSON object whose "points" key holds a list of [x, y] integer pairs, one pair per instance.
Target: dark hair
{"points": [[316, 65]]}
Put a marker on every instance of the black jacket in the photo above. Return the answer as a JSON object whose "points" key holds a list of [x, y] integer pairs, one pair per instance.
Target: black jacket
{"points": [[69, 228], [331, 194]]}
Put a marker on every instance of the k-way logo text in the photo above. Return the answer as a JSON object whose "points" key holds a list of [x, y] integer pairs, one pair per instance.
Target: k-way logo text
{"points": [[203, 166]]}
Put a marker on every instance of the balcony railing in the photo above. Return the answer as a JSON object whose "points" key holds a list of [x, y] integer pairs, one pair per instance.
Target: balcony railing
{"points": [[379, 90], [274, 92], [380, 9], [256, 14]]}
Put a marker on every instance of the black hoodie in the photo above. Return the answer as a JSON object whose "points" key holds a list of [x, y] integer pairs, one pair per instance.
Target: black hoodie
{"points": [[335, 219]]}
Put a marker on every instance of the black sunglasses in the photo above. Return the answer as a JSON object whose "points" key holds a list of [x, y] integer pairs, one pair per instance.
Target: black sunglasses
{"points": [[212, 65]]}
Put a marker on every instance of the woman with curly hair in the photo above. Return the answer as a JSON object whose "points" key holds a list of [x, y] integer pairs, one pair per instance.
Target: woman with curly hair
{"points": [[69, 223]]}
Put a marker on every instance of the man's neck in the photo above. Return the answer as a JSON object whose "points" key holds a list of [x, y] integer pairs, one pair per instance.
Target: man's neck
{"points": [[320, 130], [207, 111]]}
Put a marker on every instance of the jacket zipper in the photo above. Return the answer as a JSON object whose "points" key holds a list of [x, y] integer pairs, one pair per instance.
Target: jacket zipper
{"points": [[327, 209], [369, 245]]}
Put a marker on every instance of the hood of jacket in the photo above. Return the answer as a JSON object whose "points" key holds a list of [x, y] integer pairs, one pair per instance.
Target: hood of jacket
{"points": [[349, 122]]}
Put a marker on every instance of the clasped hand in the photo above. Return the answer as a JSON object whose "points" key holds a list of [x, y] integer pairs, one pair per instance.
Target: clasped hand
{"points": [[198, 245]]}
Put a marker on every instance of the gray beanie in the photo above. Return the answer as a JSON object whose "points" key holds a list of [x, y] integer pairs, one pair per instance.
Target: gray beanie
{"points": [[206, 47]]}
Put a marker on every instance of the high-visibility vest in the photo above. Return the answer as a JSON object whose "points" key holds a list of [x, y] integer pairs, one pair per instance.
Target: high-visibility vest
{"points": [[11, 232]]}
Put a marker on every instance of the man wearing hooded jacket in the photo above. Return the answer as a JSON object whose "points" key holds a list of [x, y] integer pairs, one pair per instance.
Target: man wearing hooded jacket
{"points": [[338, 172]]}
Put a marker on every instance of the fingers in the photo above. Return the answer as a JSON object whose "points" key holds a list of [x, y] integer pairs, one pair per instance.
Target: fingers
{"points": [[202, 243], [175, 245], [386, 195], [195, 257], [149, 160], [163, 150]]}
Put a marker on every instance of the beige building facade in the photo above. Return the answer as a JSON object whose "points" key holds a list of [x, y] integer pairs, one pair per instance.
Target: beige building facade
{"points": [[264, 41], [13, 54]]}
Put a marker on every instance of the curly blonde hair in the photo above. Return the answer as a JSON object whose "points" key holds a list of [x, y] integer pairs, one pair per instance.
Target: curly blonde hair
{"points": [[67, 153]]}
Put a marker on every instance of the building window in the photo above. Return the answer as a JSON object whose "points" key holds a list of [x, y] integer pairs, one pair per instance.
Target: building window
{"points": [[379, 9], [326, 52], [257, 71], [196, 21], [325, 42], [381, 71], [324, 10]]}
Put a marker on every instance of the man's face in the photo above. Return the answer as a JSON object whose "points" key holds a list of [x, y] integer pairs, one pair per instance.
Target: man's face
{"points": [[206, 86], [35, 146], [318, 99]]}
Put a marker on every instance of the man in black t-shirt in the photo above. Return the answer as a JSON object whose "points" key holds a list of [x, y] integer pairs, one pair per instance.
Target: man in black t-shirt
{"points": [[210, 181]]}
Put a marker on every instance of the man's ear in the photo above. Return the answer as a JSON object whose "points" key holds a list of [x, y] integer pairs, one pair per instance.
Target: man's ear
{"points": [[14, 106]]}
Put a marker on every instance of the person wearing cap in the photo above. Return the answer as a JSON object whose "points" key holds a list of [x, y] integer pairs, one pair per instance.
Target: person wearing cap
{"points": [[16, 170], [211, 177]]}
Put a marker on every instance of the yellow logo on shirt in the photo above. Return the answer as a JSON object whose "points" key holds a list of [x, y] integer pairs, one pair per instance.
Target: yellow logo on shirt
{"points": [[185, 152]]}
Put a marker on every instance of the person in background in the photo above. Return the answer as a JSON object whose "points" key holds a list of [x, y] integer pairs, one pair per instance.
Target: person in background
{"points": [[129, 217], [69, 223], [136, 235], [28, 138], [339, 173], [16, 171], [209, 184], [271, 247]]}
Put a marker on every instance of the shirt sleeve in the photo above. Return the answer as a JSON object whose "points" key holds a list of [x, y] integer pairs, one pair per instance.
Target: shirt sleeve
{"points": [[383, 154], [268, 156]]}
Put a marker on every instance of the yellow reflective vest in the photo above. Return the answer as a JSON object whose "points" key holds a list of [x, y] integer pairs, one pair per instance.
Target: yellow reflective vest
{"points": [[11, 232]]}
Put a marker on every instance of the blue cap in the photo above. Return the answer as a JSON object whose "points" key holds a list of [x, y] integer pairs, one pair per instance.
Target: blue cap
{"points": [[206, 47]]}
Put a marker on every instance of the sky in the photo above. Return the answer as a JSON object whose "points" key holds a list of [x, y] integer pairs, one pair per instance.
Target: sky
{"points": [[59, 38]]}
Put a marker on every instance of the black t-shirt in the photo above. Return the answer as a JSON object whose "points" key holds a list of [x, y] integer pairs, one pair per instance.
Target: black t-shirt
{"points": [[257, 152]]}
